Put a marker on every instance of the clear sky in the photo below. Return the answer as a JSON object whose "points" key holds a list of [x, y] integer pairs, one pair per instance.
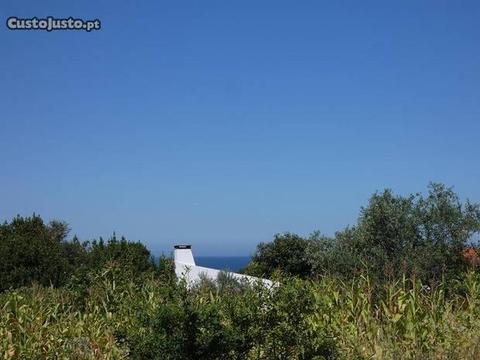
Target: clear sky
{"points": [[220, 123]]}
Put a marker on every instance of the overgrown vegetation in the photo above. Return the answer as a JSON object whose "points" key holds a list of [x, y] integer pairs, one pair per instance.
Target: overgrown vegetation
{"points": [[416, 236], [35, 252], [402, 283], [158, 318]]}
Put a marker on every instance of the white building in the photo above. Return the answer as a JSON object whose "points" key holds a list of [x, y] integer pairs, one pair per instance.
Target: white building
{"points": [[185, 268]]}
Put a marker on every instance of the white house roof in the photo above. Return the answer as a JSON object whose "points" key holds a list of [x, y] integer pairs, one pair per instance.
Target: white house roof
{"points": [[185, 268]]}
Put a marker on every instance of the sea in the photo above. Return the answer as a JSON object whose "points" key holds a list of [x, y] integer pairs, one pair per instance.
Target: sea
{"points": [[230, 263]]}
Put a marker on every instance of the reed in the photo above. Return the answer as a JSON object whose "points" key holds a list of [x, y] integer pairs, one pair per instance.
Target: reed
{"points": [[117, 317]]}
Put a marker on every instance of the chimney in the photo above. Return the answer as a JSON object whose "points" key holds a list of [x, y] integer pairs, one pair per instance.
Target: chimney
{"points": [[183, 254]]}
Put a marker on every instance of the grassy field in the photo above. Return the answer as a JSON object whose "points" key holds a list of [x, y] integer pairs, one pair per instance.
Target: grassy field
{"points": [[111, 315]]}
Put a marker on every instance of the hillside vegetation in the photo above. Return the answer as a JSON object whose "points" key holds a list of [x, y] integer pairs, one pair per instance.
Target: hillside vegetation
{"points": [[402, 283]]}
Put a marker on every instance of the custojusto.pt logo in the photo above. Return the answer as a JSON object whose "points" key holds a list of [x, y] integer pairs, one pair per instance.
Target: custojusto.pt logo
{"points": [[51, 23]]}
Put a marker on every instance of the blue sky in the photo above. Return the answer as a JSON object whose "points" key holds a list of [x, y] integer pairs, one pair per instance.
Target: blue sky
{"points": [[221, 123]]}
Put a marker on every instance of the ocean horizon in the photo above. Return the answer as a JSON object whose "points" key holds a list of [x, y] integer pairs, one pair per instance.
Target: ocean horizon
{"points": [[230, 263]]}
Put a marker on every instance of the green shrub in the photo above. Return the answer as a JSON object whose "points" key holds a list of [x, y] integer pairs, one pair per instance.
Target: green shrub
{"points": [[31, 251], [420, 236], [157, 317]]}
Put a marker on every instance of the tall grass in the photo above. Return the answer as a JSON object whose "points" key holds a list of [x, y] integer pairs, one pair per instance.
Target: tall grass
{"points": [[116, 316]]}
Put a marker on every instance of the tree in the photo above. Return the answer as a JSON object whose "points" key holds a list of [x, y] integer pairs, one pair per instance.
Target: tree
{"points": [[132, 255], [413, 235], [286, 253], [31, 251], [421, 236]]}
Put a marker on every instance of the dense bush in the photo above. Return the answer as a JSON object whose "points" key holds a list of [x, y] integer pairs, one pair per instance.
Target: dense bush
{"points": [[418, 236], [233, 322], [393, 286], [133, 255], [287, 252], [35, 252], [157, 318], [31, 251], [414, 235]]}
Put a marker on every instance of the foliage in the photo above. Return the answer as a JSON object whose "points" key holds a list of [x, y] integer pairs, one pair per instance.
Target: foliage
{"points": [[31, 251], [158, 318], [395, 285], [423, 237], [287, 252], [35, 252], [414, 235], [133, 255]]}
